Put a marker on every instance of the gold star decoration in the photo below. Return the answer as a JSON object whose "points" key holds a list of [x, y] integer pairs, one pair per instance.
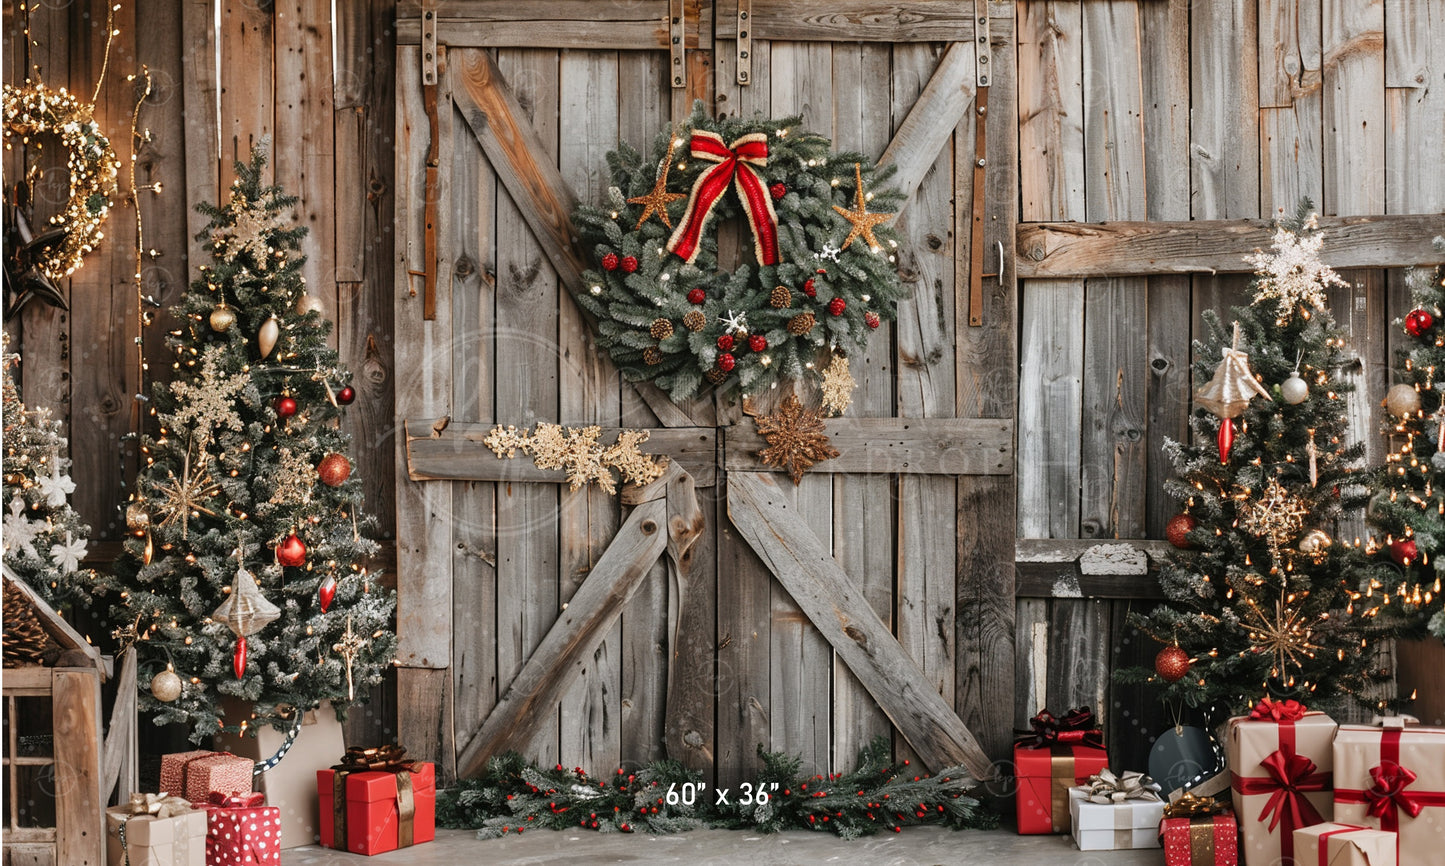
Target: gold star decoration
{"points": [[656, 201], [1286, 635], [862, 221], [1276, 516], [183, 496], [350, 644], [795, 438]]}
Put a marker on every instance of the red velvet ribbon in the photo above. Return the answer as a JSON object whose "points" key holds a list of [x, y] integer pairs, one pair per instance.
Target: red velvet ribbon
{"points": [[1076, 728], [1387, 797], [735, 165], [1270, 710], [251, 800], [1288, 777]]}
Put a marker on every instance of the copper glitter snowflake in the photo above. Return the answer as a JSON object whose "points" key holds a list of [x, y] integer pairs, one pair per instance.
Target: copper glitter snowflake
{"points": [[795, 438]]}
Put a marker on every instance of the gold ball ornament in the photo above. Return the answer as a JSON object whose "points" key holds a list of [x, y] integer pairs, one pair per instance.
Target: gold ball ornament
{"points": [[1315, 543], [222, 318], [166, 686], [137, 519], [308, 303], [1402, 400]]}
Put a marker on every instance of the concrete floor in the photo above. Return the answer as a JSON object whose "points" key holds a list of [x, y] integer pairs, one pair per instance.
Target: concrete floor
{"points": [[915, 846]]}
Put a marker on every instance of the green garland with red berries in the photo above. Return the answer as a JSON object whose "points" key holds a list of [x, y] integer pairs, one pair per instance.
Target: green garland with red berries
{"points": [[822, 275], [513, 796]]}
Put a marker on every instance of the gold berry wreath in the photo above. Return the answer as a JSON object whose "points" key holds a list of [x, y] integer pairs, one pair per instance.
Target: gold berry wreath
{"points": [[823, 271], [35, 110]]}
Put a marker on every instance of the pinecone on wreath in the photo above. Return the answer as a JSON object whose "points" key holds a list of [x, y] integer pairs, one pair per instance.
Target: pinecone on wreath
{"points": [[652, 356], [716, 376], [694, 320], [661, 329], [801, 324], [26, 640], [781, 298]]}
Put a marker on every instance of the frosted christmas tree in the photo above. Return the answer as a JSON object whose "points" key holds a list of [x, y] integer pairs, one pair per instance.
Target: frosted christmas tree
{"points": [[245, 571]]}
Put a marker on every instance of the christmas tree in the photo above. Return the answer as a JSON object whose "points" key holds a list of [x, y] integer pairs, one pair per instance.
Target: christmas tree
{"points": [[1408, 511], [1258, 592], [44, 538], [244, 573]]}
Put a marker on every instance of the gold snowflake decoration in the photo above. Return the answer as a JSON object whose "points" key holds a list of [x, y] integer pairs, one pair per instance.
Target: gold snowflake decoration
{"points": [[838, 386], [182, 498], [246, 234], [577, 451], [796, 438], [209, 401], [1285, 634], [295, 479], [1292, 274], [1277, 516]]}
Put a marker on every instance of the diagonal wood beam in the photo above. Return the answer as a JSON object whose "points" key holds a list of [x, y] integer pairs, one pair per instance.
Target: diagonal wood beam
{"points": [[573, 638], [820, 587], [931, 121]]}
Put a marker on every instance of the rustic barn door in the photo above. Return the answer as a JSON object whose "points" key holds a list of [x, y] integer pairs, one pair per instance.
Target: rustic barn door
{"points": [[876, 597]]}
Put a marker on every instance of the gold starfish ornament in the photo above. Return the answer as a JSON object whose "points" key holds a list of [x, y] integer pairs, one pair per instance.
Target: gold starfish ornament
{"points": [[861, 220], [656, 201]]}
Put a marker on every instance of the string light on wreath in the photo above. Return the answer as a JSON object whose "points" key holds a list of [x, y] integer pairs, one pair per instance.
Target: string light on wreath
{"points": [[804, 289]]}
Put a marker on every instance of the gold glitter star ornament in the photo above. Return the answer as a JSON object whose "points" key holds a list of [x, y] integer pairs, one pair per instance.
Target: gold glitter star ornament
{"points": [[861, 220], [657, 200]]}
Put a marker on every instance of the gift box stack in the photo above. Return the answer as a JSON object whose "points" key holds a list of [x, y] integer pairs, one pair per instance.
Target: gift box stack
{"points": [[1280, 759], [194, 775], [233, 827], [155, 830], [376, 800]]}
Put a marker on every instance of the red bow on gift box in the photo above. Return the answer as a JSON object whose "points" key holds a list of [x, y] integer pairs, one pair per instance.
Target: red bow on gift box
{"points": [[1289, 777], [1388, 793], [735, 165], [1076, 727], [237, 800], [1270, 710]]}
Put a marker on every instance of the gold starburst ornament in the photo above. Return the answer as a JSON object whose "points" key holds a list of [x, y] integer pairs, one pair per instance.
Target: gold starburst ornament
{"points": [[796, 438], [182, 498], [1285, 634]]}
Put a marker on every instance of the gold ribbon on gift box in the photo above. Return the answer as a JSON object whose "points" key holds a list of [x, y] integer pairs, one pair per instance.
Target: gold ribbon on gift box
{"points": [[383, 759], [1201, 832]]}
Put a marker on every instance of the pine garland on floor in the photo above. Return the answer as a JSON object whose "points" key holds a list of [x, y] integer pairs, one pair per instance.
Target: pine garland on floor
{"points": [[513, 796]]}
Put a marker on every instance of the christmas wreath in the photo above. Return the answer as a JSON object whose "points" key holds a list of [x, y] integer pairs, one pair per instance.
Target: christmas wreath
{"points": [[35, 110], [823, 273]]}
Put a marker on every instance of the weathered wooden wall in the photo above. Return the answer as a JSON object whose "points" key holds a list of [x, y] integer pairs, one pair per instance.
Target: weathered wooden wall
{"points": [[330, 126], [1158, 110]]}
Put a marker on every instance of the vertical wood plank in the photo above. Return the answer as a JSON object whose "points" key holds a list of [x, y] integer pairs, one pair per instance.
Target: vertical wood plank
{"points": [[247, 84], [202, 135], [527, 391], [1353, 35], [80, 825], [1291, 102], [1051, 110], [304, 154], [1414, 104], [1224, 88], [986, 387], [1075, 678], [589, 394]]}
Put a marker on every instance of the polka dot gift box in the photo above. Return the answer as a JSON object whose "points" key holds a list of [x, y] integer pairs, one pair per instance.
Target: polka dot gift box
{"points": [[242, 830]]}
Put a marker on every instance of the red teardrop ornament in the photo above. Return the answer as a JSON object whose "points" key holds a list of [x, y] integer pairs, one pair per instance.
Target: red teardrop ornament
{"points": [[1226, 439], [291, 551], [239, 659], [327, 592]]}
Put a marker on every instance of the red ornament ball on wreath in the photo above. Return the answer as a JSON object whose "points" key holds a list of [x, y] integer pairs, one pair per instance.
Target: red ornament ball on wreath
{"points": [[334, 470], [725, 342], [810, 287], [629, 264], [871, 320], [346, 396], [1178, 528], [726, 362], [609, 262], [1417, 322], [777, 190], [757, 342], [291, 552], [1171, 664], [696, 296], [837, 306], [285, 407], [1404, 551]]}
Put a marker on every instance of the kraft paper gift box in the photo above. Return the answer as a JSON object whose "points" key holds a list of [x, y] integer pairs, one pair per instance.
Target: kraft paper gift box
{"points": [[155, 830], [1333, 844], [1391, 777], [194, 775], [1199, 831], [1059, 754], [372, 811], [1115, 812], [241, 830], [1280, 758]]}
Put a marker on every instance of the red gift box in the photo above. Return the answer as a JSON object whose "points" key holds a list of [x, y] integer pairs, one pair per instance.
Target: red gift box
{"points": [[1056, 756], [241, 830], [194, 775], [1200, 840], [375, 811]]}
